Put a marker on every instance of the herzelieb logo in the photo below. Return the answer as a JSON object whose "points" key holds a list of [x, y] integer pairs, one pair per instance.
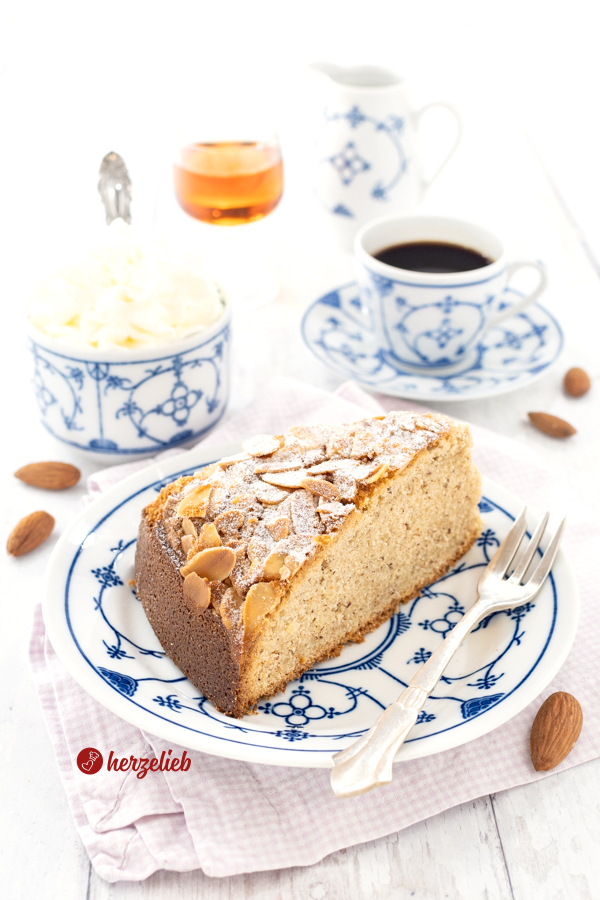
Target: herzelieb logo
{"points": [[89, 761]]}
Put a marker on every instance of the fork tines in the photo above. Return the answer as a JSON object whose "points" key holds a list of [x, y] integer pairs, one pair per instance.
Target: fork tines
{"points": [[507, 553]]}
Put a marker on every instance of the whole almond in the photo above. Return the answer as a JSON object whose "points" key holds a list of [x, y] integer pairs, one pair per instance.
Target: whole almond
{"points": [[577, 382], [51, 476], [29, 533], [555, 730], [551, 425]]}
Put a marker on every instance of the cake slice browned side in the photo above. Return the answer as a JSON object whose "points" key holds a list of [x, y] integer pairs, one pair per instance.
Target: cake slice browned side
{"points": [[196, 640]]}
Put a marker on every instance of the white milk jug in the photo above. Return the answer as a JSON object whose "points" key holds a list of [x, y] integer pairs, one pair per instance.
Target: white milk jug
{"points": [[367, 155]]}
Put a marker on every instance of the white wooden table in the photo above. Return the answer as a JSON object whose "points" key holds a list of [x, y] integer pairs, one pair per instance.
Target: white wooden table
{"points": [[74, 86]]}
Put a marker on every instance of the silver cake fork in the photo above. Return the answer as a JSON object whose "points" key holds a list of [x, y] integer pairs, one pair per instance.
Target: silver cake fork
{"points": [[368, 762]]}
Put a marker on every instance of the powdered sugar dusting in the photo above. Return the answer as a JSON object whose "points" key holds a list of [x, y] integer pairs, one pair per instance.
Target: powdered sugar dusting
{"points": [[272, 503]]}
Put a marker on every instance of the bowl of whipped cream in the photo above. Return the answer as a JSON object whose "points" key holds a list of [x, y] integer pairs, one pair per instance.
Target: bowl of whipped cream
{"points": [[130, 348]]}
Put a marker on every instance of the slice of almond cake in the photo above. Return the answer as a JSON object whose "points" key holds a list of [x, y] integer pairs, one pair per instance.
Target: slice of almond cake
{"points": [[258, 566]]}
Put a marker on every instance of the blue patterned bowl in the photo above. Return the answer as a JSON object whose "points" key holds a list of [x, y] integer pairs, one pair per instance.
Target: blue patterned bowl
{"points": [[124, 404]]}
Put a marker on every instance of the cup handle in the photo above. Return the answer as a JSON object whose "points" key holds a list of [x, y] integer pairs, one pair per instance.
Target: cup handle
{"points": [[520, 305], [427, 182]]}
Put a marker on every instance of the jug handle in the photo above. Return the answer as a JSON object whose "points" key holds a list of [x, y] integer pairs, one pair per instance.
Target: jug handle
{"points": [[427, 182]]}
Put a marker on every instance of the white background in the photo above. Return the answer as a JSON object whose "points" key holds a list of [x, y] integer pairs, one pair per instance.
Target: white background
{"points": [[78, 79]]}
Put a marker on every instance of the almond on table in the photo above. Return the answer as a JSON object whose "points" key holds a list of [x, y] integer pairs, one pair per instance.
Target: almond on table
{"points": [[577, 382], [51, 476], [29, 533], [555, 730], [551, 425]]}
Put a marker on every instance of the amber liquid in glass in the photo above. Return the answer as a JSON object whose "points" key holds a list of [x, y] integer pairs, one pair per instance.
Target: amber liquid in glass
{"points": [[229, 183]]}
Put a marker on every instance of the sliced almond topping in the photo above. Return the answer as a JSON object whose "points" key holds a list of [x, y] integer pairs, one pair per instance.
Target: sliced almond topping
{"points": [[278, 465], [273, 564], [335, 465], [239, 548], [229, 608], [269, 495], [232, 460], [340, 443], [303, 507], [208, 537], [261, 599], [195, 503], [215, 564], [189, 527], [257, 549], [229, 522], [197, 590], [290, 567], [218, 592], [286, 479], [261, 445], [364, 444], [310, 437], [207, 471], [321, 488], [278, 528], [377, 474], [187, 542], [333, 508]]}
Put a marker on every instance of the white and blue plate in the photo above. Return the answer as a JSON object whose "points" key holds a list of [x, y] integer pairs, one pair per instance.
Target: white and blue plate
{"points": [[511, 355], [99, 630]]}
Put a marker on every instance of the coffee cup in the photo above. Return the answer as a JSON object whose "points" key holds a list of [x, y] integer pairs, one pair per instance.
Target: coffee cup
{"points": [[436, 288]]}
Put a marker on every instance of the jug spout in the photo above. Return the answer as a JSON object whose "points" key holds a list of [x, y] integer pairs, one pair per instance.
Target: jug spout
{"points": [[325, 68], [356, 76]]}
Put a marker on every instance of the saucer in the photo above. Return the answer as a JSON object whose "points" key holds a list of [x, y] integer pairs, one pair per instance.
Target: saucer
{"points": [[511, 355]]}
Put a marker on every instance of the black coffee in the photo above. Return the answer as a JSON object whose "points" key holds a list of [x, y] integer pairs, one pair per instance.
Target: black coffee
{"points": [[432, 256]]}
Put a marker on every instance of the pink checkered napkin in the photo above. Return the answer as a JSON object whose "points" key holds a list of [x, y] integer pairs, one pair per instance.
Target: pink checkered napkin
{"points": [[231, 817]]}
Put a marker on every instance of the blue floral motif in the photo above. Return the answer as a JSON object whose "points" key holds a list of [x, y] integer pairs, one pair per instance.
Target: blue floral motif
{"points": [[116, 652], [488, 542], [446, 622], [355, 117], [123, 683], [403, 623], [299, 710], [291, 734], [349, 163], [486, 682], [107, 576], [420, 657], [342, 210], [424, 717], [477, 705], [171, 702]]}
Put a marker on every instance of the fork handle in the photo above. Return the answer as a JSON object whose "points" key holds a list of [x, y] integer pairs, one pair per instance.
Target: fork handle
{"points": [[368, 762]]}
